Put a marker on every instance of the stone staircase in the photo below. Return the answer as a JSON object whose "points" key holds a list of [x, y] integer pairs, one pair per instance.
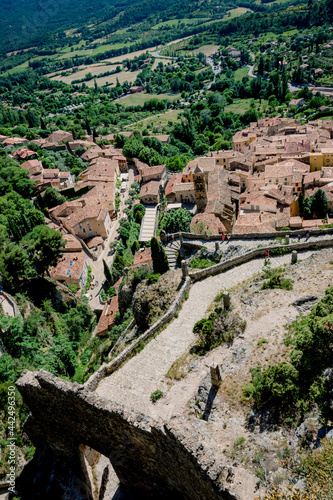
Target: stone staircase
{"points": [[171, 249], [149, 222]]}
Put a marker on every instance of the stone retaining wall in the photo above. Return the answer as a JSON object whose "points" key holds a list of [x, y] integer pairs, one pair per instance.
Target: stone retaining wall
{"points": [[108, 368], [251, 236], [252, 254]]}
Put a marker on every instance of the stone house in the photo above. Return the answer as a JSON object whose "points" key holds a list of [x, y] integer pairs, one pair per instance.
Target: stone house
{"points": [[72, 269], [150, 193], [157, 173], [89, 221]]}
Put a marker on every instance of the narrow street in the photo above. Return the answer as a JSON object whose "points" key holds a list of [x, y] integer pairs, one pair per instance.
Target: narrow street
{"points": [[97, 265]]}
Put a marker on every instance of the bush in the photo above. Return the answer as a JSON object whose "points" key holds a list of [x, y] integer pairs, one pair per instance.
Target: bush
{"points": [[176, 220], [153, 278], [156, 395], [198, 263], [220, 326]]}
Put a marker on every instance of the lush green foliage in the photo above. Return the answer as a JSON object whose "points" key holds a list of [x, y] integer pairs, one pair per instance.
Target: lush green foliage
{"points": [[160, 260], [199, 263], [304, 381], [176, 221]]}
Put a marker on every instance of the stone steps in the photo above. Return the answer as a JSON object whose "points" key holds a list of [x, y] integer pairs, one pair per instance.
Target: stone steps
{"points": [[148, 224], [171, 249]]}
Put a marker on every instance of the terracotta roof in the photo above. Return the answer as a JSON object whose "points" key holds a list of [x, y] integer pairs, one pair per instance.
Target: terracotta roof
{"points": [[183, 187], [150, 188], [60, 136], [70, 265], [72, 244], [170, 187], [28, 165], [24, 153], [94, 241], [142, 257], [312, 177], [162, 137], [152, 171], [106, 320], [87, 212], [207, 223]]}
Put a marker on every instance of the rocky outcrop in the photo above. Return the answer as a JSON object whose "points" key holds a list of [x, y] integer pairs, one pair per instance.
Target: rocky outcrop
{"points": [[153, 460], [150, 302]]}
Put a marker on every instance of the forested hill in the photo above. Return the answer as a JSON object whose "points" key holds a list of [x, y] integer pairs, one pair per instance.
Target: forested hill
{"points": [[39, 22]]}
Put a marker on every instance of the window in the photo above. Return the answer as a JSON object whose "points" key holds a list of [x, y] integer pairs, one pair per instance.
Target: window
{"points": [[83, 230], [285, 178]]}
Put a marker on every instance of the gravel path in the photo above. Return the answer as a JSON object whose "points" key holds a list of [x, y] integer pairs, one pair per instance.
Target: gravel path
{"points": [[143, 374]]}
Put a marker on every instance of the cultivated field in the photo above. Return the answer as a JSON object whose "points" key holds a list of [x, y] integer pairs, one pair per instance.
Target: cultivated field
{"points": [[140, 98]]}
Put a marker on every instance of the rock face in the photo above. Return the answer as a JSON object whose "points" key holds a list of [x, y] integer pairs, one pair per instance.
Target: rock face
{"points": [[151, 301], [154, 460], [304, 304]]}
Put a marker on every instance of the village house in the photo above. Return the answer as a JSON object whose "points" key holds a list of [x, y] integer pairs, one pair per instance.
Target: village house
{"points": [[24, 154], [150, 193], [60, 136], [185, 192], [297, 103], [135, 89], [15, 141], [242, 139], [89, 221], [170, 187], [71, 269], [164, 138], [157, 173]]}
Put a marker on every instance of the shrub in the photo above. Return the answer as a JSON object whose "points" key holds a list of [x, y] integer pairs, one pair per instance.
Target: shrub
{"points": [[220, 326], [156, 395], [153, 278], [198, 263]]}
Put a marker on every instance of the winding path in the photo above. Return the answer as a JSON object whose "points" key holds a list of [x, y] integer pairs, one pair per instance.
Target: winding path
{"points": [[134, 382]]}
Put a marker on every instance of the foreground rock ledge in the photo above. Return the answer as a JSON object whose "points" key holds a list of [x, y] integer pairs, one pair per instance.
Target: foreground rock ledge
{"points": [[151, 459]]}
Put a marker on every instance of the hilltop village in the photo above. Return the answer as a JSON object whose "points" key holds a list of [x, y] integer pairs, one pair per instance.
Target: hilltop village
{"points": [[253, 188], [264, 184]]}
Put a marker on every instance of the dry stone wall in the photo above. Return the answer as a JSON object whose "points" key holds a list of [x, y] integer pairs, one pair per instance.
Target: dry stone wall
{"points": [[252, 254], [155, 460]]}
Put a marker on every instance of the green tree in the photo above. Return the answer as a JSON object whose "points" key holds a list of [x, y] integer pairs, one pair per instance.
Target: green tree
{"points": [[176, 220], [160, 260], [15, 266], [107, 272], [45, 246], [319, 204], [52, 198]]}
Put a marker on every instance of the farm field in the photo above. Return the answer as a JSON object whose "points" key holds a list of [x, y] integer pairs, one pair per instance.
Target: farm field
{"points": [[159, 122], [240, 106], [140, 98], [206, 49], [174, 22], [240, 73]]}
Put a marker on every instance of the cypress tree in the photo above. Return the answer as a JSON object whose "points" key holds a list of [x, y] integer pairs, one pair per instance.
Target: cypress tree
{"points": [[160, 260], [107, 272]]}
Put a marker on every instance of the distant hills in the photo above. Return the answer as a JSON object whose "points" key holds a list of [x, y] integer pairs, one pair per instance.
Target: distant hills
{"points": [[26, 23]]}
